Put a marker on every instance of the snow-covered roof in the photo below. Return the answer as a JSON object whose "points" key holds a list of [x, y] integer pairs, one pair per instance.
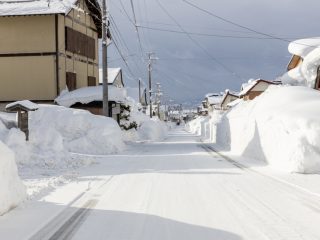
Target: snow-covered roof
{"points": [[234, 103], [16, 8], [45, 7], [213, 100], [25, 104], [247, 87], [228, 93], [89, 94], [112, 74], [303, 47]]}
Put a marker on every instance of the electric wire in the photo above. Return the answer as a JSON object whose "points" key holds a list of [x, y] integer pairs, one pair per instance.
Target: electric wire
{"points": [[199, 45]]}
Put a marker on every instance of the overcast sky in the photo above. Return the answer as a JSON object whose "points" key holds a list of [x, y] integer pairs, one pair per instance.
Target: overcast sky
{"points": [[188, 69]]}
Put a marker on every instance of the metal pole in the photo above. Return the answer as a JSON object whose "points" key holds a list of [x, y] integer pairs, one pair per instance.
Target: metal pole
{"points": [[150, 85], [104, 59], [139, 90]]}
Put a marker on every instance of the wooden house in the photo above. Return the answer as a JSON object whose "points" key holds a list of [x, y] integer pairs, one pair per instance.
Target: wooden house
{"points": [[254, 88], [228, 97], [48, 46]]}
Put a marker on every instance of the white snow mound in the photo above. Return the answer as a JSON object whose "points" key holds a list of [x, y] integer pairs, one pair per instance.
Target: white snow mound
{"points": [[12, 191]]}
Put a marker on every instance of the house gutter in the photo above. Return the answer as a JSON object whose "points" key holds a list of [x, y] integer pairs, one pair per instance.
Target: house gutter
{"points": [[56, 17]]}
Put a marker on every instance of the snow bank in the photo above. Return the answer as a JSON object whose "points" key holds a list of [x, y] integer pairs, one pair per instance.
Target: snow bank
{"points": [[205, 126], [64, 129], [280, 127], [152, 130], [57, 131], [12, 191]]}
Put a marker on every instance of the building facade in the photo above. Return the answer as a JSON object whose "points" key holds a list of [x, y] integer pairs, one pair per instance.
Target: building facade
{"points": [[42, 54]]}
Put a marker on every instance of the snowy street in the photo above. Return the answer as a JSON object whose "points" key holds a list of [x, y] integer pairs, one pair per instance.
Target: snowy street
{"points": [[175, 189]]}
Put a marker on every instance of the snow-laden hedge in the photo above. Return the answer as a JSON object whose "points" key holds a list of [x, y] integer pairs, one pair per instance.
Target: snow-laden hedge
{"points": [[281, 127]]}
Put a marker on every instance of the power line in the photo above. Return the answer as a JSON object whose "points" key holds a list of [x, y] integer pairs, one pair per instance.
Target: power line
{"points": [[126, 13], [203, 34], [121, 40], [135, 23], [237, 24], [197, 43], [124, 60]]}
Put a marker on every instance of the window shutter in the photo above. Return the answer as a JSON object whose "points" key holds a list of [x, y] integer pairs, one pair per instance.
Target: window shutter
{"points": [[80, 43], [91, 81], [71, 81]]}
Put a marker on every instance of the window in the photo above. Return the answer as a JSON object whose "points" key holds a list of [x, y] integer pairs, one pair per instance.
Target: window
{"points": [[92, 81], [71, 81], [79, 43]]}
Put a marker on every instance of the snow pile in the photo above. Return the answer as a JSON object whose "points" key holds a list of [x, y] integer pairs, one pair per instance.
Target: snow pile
{"points": [[63, 129], [281, 127], [152, 130], [205, 126], [57, 131], [12, 191], [304, 74]]}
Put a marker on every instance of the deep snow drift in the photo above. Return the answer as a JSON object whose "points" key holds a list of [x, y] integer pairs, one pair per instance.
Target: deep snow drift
{"points": [[281, 127]]}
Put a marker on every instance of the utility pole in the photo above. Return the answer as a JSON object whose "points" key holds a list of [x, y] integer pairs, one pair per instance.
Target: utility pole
{"points": [[150, 80], [158, 95], [105, 25], [139, 90]]}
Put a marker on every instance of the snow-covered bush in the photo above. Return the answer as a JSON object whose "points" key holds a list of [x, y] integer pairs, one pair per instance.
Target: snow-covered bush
{"points": [[138, 126]]}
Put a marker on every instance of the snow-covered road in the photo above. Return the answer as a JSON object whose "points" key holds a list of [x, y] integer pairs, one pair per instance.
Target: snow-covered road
{"points": [[175, 189]]}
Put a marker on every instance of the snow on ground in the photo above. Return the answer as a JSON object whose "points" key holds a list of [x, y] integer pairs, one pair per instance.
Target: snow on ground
{"points": [[172, 189], [47, 160], [280, 127]]}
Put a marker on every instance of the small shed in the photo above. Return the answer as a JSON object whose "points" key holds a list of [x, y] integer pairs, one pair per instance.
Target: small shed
{"points": [[228, 97], [22, 108], [254, 88]]}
